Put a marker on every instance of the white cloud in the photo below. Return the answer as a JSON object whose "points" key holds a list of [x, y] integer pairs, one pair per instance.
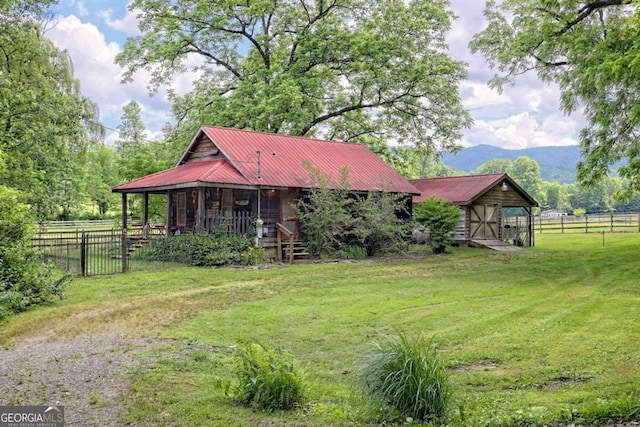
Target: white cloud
{"points": [[93, 58], [127, 25], [477, 95], [526, 114], [82, 10], [522, 131]]}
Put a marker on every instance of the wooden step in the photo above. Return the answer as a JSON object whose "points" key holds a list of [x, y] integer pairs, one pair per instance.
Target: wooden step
{"points": [[139, 244], [300, 250]]}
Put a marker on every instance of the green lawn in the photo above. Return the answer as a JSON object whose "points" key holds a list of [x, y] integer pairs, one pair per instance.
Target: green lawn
{"points": [[544, 335]]}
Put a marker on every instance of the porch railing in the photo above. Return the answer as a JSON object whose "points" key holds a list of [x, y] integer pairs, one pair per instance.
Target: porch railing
{"points": [[238, 223]]}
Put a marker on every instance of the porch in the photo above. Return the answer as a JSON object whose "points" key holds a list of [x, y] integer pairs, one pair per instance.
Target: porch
{"points": [[267, 215]]}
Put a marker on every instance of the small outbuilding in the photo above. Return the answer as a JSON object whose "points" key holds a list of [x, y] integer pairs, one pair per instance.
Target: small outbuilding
{"points": [[482, 200]]}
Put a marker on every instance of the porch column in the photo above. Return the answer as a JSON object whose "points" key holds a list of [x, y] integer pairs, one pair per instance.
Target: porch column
{"points": [[167, 222], [258, 214], [124, 211], [530, 226], [145, 208], [202, 211]]}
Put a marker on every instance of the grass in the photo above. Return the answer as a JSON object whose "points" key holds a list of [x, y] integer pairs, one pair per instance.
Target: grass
{"points": [[539, 336]]}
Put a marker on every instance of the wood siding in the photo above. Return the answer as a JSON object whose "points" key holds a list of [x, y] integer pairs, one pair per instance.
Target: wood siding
{"points": [[204, 150], [462, 230], [507, 199]]}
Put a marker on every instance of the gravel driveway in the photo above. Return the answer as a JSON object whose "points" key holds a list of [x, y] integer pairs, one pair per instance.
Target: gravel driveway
{"points": [[85, 374]]}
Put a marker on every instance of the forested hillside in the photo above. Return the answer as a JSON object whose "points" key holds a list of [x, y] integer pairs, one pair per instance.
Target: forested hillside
{"points": [[556, 163]]}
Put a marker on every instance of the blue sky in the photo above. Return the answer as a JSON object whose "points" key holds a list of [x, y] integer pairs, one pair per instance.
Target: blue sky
{"points": [[94, 31]]}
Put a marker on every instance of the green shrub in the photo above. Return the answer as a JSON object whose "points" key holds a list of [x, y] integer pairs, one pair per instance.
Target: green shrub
{"points": [[407, 376], [381, 222], [441, 217], [351, 252], [265, 378], [207, 251], [24, 282], [332, 217]]}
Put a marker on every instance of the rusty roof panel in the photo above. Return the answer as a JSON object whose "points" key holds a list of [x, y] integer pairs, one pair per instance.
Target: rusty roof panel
{"points": [[281, 163], [461, 190], [282, 160], [205, 171]]}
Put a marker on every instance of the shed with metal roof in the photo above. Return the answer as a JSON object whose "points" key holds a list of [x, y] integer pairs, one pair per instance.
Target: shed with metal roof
{"points": [[482, 200]]}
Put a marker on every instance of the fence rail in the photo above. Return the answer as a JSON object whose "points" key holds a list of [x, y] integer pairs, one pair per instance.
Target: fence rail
{"points": [[91, 248], [81, 224], [86, 253], [591, 223], [93, 252]]}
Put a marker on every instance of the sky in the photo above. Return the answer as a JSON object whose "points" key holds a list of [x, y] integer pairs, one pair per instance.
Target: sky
{"points": [[93, 32]]}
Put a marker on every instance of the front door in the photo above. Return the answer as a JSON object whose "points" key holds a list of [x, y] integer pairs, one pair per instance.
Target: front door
{"points": [[484, 222], [287, 212]]}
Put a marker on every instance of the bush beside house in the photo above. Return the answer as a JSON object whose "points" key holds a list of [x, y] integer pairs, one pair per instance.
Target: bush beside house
{"points": [[441, 217]]}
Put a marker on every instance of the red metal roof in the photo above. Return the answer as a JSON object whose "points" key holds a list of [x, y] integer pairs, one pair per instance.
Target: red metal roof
{"points": [[282, 163], [461, 190], [282, 160], [206, 171]]}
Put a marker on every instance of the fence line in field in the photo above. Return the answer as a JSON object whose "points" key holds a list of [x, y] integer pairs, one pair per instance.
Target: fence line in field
{"points": [[81, 224], [591, 223]]}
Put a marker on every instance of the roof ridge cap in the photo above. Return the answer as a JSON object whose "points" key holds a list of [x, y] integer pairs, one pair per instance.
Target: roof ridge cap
{"points": [[306, 138]]}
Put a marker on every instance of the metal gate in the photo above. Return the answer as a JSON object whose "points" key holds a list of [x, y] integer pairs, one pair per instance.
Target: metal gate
{"points": [[85, 253]]}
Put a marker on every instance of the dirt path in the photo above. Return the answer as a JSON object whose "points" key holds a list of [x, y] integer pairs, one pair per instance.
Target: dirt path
{"points": [[85, 374]]}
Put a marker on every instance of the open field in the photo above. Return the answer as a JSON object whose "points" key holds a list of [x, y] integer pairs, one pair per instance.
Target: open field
{"points": [[540, 336]]}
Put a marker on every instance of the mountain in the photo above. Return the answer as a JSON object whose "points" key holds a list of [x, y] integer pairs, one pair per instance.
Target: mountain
{"points": [[556, 163]]}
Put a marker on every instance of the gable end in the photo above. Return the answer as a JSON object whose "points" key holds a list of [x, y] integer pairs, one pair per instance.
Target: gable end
{"points": [[201, 148]]}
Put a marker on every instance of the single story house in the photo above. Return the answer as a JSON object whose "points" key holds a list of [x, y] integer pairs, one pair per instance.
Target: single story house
{"points": [[481, 199], [553, 213], [241, 177]]}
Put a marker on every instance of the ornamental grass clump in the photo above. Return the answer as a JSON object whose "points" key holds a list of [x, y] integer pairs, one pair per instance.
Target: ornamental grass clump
{"points": [[406, 376], [265, 378]]}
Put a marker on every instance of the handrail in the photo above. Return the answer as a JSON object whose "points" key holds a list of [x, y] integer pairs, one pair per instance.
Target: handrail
{"points": [[288, 234], [284, 230]]}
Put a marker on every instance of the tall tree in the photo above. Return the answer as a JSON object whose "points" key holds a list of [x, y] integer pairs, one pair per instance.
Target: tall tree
{"points": [[138, 156], [596, 199], [557, 196], [338, 69], [495, 166], [46, 124], [526, 172], [131, 130], [100, 177], [590, 49]]}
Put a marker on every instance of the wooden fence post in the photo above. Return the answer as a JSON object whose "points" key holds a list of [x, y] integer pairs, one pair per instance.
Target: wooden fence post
{"points": [[611, 214]]}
